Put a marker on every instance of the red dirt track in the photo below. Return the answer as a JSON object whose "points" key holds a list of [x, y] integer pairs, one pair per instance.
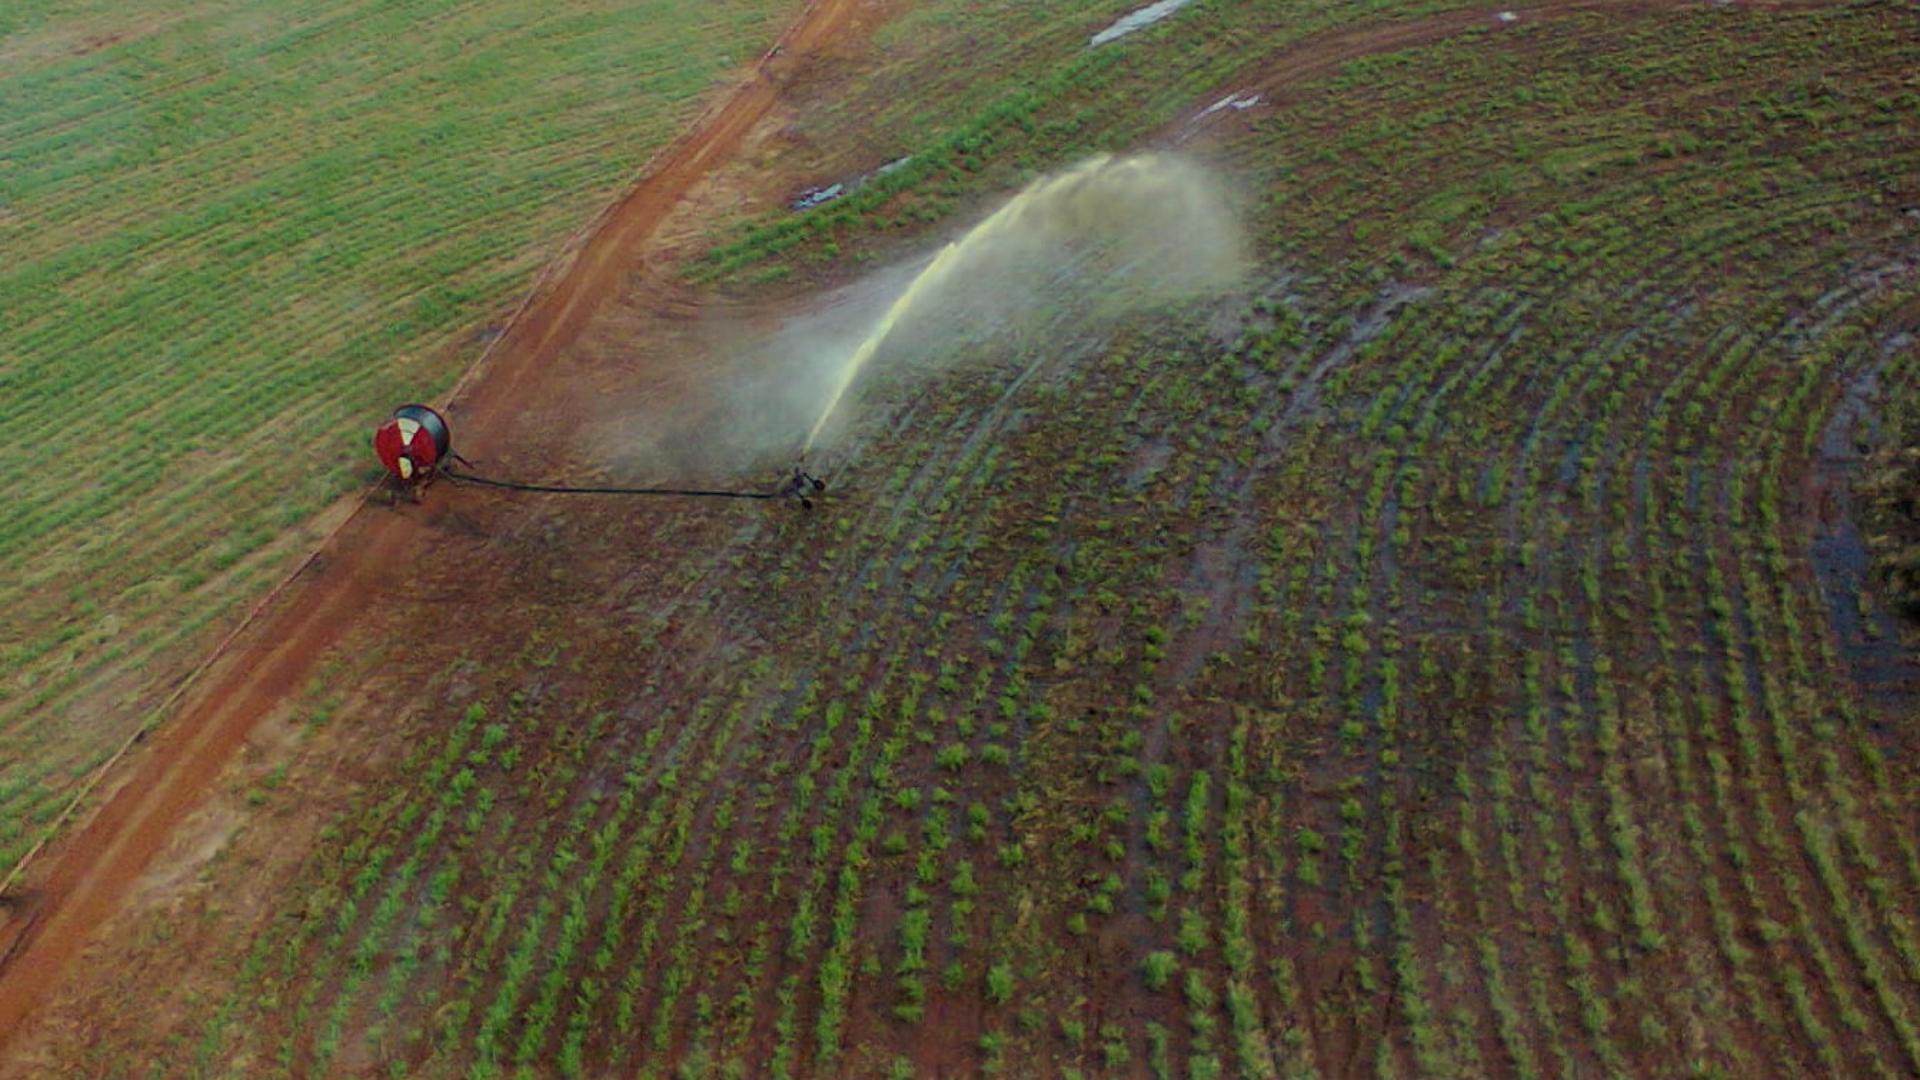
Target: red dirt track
{"points": [[95, 868]]}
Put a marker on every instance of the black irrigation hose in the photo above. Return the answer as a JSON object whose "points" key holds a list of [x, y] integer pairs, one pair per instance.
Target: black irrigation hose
{"points": [[561, 489]]}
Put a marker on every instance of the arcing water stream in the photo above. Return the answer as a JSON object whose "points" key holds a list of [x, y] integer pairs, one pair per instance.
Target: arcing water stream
{"points": [[928, 278], [1160, 219]]}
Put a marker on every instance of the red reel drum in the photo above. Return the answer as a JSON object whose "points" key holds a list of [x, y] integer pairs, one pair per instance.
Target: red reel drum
{"points": [[413, 443]]}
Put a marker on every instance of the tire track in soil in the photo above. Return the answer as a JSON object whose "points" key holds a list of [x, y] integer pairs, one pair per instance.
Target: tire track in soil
{"points": [[98, 865]]}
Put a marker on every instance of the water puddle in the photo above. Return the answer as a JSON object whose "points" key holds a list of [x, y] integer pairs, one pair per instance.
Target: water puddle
{"points": [[826, 193], [1237, 102], [817, 196], [1136, 20]]}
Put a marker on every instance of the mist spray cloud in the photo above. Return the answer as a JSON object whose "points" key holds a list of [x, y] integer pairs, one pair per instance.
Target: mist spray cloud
{"points": [[1069, 254]]}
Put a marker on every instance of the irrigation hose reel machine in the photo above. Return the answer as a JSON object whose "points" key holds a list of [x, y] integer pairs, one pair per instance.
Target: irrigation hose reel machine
{"points": [[415, 446]]}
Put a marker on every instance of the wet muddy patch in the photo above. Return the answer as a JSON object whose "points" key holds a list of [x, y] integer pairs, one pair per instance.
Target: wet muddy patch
{"points": [[1868, 634]]}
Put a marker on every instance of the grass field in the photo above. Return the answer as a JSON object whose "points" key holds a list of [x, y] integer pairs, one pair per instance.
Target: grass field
{"points": [[236, 233], [1453, 657]]}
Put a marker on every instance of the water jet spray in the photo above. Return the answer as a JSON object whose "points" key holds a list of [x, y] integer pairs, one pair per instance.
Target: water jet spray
{"points": [[1162, 223]]}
